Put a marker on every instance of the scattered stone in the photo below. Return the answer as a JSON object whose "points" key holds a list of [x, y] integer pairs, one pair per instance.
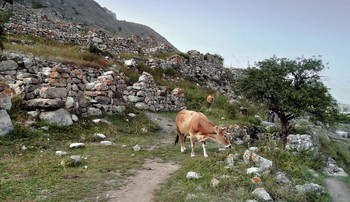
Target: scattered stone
{"points": [[253, 170], [333, 170], [191, 197], [230, 161], [310, 187], [300, 142], [282, 178], [106, 143], [75, 118], [61, 153], [224, 176], [5, 124], [256, 180], [199, 188], [76, 145], [214, 182], [144, 130], [192, 175], [137, 147], [100, 136], [262, 194], [132, 115], [46, 128], [96, 120], [75, 159]]}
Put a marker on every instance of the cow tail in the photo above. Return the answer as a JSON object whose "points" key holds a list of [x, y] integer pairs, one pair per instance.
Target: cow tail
{"points": [[177, 139]]}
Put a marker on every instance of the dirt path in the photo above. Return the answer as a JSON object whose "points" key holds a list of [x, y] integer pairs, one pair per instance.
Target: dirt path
{"points": [[140, 187], [338, 189]]}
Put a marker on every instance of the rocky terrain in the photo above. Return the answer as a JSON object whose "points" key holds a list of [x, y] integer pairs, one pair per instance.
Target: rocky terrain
{"points": [[91, 14]]}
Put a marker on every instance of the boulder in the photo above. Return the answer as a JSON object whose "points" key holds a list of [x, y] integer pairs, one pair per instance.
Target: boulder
{"points": [[5, 123], [5, 96], [58, 117]]}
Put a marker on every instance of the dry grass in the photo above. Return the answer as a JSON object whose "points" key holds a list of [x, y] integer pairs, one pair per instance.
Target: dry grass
{"points": [[65, 53]]}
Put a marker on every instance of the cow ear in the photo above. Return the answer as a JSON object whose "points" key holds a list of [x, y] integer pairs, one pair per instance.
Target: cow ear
{"points": [[217, 129], [223, 129]]}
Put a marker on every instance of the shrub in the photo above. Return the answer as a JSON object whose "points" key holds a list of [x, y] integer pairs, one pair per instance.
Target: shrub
{"points": [[37, 5]]}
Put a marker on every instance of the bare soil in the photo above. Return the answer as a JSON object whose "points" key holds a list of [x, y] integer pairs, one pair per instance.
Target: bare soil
{"points": [[338, 190], [140, 187]]}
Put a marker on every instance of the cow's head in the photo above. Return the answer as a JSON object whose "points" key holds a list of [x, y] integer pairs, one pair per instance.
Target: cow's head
{"points": [[222, 137]]}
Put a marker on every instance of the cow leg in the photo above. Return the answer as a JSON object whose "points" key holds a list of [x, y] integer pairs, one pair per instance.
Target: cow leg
{"points": [[204, 150], [192, 138], [183, 145]]}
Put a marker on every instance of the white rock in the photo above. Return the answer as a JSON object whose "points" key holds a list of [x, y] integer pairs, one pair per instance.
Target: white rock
{"points": [[192, 175], [61, 153], [253, 170], [76, 145], [75, 118], [106, 143], [137, 147], [100, 136], [96, 120], [262, 194]]}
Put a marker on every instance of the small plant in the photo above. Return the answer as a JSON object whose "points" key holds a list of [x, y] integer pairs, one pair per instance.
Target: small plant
{"points": [[37, 5], [219, 57], [184, 55]]}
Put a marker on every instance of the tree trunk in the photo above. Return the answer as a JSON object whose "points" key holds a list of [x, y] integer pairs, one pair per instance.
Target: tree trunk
{"points": [[285, 127]]}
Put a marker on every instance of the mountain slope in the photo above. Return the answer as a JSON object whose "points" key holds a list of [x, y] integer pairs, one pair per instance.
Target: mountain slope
{"points": [[92, 14]]}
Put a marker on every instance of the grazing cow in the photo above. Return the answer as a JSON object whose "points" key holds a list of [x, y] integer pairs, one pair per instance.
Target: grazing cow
{"points": [[197, 125]]}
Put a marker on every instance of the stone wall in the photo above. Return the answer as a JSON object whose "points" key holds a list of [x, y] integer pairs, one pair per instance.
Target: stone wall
{"points": [[50, 86]]}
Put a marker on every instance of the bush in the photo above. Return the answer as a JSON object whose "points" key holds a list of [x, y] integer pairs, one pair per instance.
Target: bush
{"points": [[37, 5]]}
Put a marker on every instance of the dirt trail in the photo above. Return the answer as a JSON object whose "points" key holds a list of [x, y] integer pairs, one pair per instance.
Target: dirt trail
{"points": [[338, 189], [140, 187]]}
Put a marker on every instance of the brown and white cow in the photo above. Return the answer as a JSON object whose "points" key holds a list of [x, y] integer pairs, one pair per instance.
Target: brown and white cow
{"points": [[197, 125]]}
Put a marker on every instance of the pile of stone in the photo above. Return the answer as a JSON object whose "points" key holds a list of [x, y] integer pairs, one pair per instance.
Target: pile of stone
{"points": [[60, 93], [145, 94]]}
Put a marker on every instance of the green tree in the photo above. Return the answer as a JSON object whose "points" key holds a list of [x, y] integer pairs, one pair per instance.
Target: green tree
{"points": [[290, 88]]}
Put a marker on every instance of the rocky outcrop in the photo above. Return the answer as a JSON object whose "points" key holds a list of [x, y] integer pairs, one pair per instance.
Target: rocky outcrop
{"points": [[26, 20]]}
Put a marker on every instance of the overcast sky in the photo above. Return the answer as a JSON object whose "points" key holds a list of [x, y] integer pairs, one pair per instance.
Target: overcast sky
{"points": [[247, 31]]}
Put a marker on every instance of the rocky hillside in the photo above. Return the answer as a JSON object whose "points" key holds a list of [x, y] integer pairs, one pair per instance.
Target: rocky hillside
{"points": [[90, 13]]}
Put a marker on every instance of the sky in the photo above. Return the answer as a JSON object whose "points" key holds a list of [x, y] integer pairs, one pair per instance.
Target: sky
{"points": [[247, 31]]}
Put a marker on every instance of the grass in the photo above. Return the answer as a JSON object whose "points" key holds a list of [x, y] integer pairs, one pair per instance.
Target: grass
{"points": [[37, 174], [52, 50]]}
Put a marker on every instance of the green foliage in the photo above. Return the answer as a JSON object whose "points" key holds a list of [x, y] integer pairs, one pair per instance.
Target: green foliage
{"points": [[95, 50], [290, 88], [1, 38], [219, 57], [37, 5], [5, 16], [338, 151], [344, 118], [16, 112], [184, 55]]}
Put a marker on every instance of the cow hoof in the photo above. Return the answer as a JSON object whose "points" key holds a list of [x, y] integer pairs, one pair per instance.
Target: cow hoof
{"points": [[192, 155], [206, 156]]}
